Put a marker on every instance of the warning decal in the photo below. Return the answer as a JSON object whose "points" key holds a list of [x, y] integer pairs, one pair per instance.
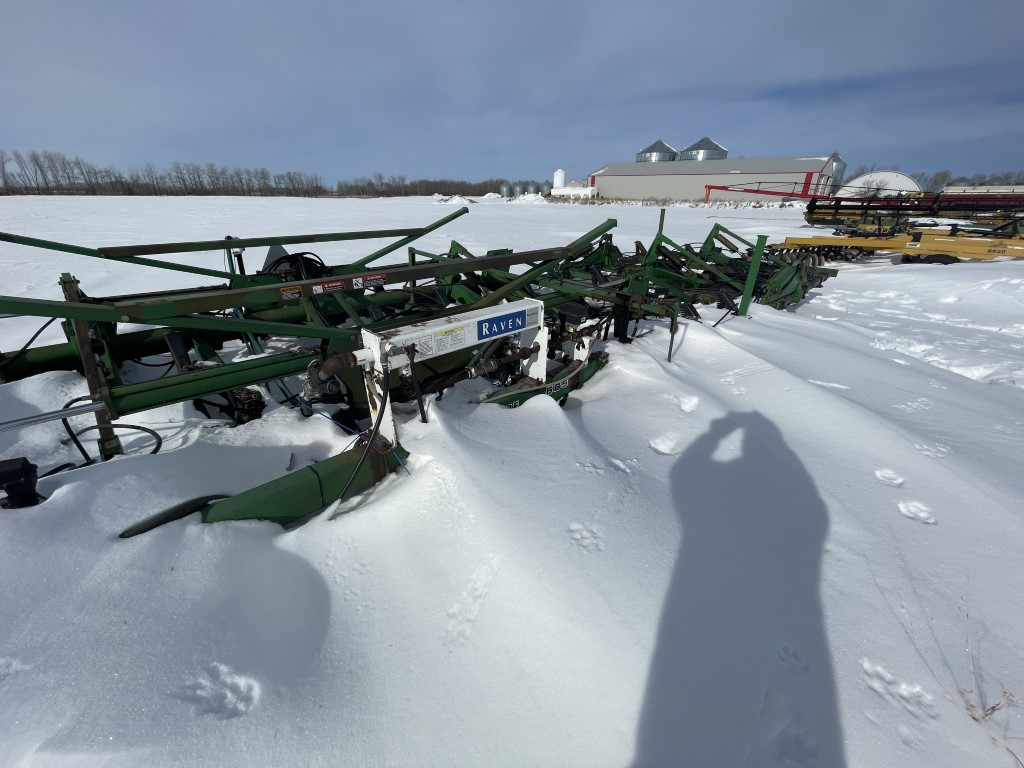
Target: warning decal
{"points": [[454, 338], [331, 286], [369, 281]]}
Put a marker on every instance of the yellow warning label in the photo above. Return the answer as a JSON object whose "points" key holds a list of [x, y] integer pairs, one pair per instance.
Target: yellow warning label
{"points": [[453, 338]]}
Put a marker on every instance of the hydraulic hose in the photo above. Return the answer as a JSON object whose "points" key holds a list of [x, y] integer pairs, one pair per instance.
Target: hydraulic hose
{"points": [[362, 458]]}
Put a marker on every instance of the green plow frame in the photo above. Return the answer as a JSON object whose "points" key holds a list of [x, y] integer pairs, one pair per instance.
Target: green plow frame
{"points": [[328, 307]]}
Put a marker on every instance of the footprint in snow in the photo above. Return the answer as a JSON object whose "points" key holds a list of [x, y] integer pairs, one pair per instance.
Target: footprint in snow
{"points": [[915, 510], [219, 691], [588, 539], [889, 477], [936, 451], [9, 667], [689, 403], [462, 615], [920, 404], [669, 444], [913, 698], [791, 658], [622, 466], [910, 737]]}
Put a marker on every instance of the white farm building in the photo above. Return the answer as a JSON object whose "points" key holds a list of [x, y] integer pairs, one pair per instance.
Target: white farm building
{"points": [[663, 173]]}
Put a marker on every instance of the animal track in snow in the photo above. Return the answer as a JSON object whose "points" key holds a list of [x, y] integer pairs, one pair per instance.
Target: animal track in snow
{"points": [[689, 403], [738, 391], [781, 733], [913, 698], [219, 691], [623, 466], [588, 539], [794, 746], [889, 477], [909, 736], [10, 666], [792, 658], [730, 377], [915, 510], [920, 404], [937, 451], [669, 444], [463, 614]]}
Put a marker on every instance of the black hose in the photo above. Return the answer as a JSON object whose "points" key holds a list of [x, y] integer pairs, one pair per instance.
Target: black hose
{"points": [[71, 434], [81, 448], [359, 464], [177, 512], [147, 430], [370, 441], [28, 343], [137, 361], [411, 352]]}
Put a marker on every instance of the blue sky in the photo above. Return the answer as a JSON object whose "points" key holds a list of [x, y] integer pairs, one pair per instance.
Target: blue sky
{"points": [[473, 90]]}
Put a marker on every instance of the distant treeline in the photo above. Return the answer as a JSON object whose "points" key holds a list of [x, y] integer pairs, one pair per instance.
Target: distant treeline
{"points": [[54, 173], [397, 186]]}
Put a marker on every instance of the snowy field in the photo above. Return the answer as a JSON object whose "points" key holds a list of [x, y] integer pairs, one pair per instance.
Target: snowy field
{"points": [[797, 544]]}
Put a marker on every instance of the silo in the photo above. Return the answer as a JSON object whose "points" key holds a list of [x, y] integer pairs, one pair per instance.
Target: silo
{"points": [[658, 152], [559, 179], [838, 172], [545, 189], [517, 190], [531, 188], [506, 190], [705, 149]]}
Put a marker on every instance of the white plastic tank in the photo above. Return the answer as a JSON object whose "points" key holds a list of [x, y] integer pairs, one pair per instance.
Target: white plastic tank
{"points": [[559, 179]]}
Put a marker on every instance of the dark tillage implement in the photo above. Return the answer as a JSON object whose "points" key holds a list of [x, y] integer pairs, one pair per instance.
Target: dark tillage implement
{"points": [[371, 335]]}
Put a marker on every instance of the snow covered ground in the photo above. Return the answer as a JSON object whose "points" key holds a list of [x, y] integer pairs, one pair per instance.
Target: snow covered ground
{"points": [[797, 544]]}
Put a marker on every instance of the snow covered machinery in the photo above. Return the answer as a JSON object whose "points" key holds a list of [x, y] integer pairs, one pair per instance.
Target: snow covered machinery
{"points": [[363, 336], [469, 318]]}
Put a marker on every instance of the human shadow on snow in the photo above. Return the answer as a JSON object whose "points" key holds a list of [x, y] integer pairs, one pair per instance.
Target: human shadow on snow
{"points": [[742, 675]]}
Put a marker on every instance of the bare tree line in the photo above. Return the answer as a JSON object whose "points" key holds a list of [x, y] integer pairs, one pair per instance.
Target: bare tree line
{"points": [[54, 173], [398, 186]]}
